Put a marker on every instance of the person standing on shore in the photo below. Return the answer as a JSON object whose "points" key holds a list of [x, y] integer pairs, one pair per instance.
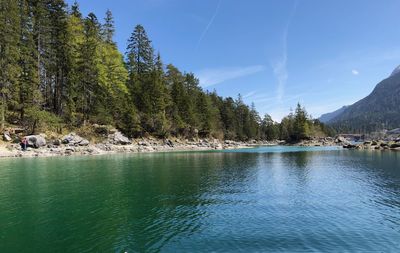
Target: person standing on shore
{"points": [[24, 144]]}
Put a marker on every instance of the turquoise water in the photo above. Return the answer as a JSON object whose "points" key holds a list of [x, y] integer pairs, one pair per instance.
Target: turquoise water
{"points": [[267, 199]]}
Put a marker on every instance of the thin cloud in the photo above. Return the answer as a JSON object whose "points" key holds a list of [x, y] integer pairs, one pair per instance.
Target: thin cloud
{"points": [[210, 77], [209, 24], [280, 67], [249, 94], [355, 72]]}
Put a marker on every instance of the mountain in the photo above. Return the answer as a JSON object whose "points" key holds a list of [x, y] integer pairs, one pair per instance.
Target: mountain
{"points": [[379, 110], [325, 118], [396, 71]]}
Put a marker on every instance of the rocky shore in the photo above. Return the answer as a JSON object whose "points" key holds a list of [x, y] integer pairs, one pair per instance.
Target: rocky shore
{"points": [[115, 142], [73, 144], [375, 145]]}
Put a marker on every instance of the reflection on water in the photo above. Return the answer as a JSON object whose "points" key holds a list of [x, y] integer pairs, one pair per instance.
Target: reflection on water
{"points": [[264, 199]]}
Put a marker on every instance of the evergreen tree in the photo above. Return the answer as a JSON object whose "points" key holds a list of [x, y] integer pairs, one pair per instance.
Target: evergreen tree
{"points": [[269, 129], [76, 39], [140, 53], [28, 89], [9, 54], [108, 29], [58, 65], [88, 68], [301, 125], [57, 68]]}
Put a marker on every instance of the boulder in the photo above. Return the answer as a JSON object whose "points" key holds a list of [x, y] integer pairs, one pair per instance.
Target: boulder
{"points": [[118, 139], [36, 141], [342, 140], [74, 140], [143, 143], [57, 142], [350, 146], [169, 143], [395, 145], [7, 137], [84, 142]]}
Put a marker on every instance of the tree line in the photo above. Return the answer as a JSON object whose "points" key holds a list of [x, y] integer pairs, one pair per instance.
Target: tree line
{"points": [[59, 69]]}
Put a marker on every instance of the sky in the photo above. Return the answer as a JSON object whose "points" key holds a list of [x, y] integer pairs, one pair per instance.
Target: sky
{"points": [[275, 53]]}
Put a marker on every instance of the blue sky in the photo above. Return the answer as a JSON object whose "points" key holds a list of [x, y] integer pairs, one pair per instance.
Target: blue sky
{"points": [[323, 54]]}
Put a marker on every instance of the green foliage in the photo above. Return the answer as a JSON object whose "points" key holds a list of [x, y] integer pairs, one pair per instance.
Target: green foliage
{"points": [[9, 54], [300, 126], [58, 67], [38, 120]]}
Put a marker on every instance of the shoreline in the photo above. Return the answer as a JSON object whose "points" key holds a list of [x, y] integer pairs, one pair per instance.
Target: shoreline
{"points": [[153, 145], [137, 147]]}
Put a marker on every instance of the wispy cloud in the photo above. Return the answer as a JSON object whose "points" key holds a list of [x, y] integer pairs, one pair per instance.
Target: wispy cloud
{"points": [[203, 34], [210, 77], [280, 66], [355, 72], [249, 94]]}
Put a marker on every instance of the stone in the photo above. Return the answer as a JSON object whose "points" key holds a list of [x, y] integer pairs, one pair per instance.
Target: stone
{"points": [[57, 142], [118, 139], [143, 143], [6, 136], [342, 140], [84, 142], [36, 141], [75, 140], [395, 145], [350, 146], [112, 131], [169, 143]]}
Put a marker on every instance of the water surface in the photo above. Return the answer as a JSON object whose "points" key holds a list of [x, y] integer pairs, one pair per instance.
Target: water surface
{"points": [[279, 199]]}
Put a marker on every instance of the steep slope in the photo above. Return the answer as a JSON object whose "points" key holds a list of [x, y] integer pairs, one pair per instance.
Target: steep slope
{"points": [[325, 118], [379, 110]]}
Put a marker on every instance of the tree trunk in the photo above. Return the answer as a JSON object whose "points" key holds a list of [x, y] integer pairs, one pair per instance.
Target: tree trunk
{"points": [[2, 112]]}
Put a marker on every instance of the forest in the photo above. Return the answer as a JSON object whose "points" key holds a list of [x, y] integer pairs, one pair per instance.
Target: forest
{"points": [[61, 70]]}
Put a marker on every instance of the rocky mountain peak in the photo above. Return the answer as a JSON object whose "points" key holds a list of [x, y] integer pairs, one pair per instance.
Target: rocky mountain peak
{"points": [[396, 71]]}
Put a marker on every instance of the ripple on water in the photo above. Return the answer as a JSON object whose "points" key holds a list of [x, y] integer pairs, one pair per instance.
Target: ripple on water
{"points": [[279, 199]]}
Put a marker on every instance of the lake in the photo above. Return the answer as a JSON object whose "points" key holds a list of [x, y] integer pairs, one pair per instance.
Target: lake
{"points": [[277, 199]]}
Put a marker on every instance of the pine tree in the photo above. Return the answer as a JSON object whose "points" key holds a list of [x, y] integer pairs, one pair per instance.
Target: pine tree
{"points": [[9, 54], [88, 68], [108, 28], [140, 53], [29, 93], [76, 39], [301, 125], [58, 65]]}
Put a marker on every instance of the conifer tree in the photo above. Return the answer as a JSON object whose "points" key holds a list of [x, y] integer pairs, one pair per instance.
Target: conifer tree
{"points": [[28, 89], [108, 28], [9, 54], [89, 74], [140, 53], [76, 38]]}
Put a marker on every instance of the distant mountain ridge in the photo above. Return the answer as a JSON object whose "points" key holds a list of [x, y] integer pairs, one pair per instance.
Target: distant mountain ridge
{"points": [[325, 118], [379, 110]]}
